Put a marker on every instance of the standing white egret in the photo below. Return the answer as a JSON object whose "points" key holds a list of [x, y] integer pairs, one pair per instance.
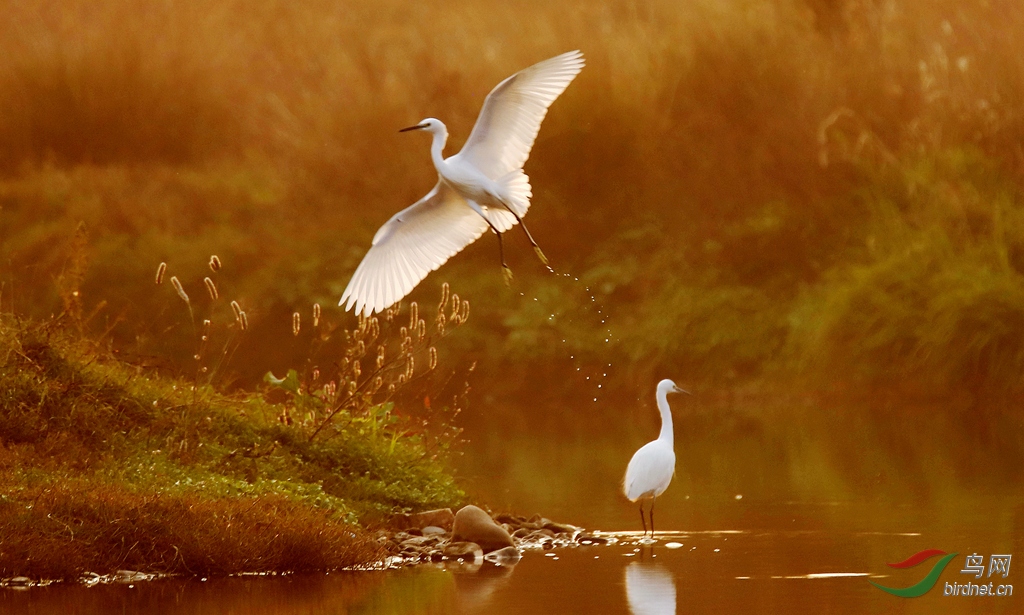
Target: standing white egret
{"points": [[650, 470], [482, 186]]}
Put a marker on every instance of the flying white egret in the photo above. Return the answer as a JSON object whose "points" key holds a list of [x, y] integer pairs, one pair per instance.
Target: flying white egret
{"points": [[650, 470], [481, 187]]}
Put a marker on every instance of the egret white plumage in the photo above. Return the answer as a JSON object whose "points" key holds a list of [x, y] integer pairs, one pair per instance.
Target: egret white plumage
{"points": [[483, 186], [650, 470]]}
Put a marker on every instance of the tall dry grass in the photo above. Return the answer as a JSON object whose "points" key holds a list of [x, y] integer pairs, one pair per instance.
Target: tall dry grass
{"points": [[322, 85]]}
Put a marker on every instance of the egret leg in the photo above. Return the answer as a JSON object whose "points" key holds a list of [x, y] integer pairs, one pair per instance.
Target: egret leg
{"points": [[533, 243], [643, 521], [651, 514], [506, 272]]}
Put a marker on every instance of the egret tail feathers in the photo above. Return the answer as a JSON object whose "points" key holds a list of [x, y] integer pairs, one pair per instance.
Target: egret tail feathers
{"points": [[517, 191]]}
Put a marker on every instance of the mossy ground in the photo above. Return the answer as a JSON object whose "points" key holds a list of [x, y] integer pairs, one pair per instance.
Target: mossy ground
{"points": [[107, 466]]}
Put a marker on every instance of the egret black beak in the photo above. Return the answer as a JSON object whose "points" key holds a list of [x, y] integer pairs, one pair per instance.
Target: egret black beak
{"points": [[416, 127], [678, 390]]}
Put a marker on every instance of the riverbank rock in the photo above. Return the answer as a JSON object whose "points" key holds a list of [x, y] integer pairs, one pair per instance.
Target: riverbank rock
{"points": [[464, 550], [472, 524]]}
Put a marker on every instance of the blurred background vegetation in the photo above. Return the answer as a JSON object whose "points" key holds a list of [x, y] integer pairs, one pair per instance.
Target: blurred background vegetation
{"points": [[822, 197]]}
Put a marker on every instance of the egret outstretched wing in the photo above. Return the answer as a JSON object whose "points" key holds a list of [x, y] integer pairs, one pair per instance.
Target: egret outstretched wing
{"points": [[414, 242], [510, 118], [488, 170]]}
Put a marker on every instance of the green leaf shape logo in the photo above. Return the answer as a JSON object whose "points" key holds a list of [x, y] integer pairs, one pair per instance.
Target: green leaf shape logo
{"points": [[920, 588]]}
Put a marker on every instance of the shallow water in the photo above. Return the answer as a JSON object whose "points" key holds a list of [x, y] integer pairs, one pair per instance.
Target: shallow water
{"points": [[731, 570], [762, 516]]}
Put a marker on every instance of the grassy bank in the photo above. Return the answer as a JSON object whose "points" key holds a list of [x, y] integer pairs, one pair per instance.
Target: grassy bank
{"points": [[107, 466]]}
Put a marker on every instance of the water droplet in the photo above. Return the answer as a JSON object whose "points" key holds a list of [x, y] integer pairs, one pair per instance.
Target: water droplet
{"points": [[739, 496]]}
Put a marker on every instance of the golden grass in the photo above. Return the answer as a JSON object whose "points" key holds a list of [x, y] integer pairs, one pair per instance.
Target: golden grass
{"points": [[324, 84], [61, 530]]}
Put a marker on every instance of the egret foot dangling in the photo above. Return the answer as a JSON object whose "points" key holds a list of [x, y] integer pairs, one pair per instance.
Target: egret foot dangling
{"points": [[540, 255], [506, 273]]}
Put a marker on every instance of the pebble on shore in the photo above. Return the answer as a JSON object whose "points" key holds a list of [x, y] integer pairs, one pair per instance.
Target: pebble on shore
{"points": [[472, 534]]}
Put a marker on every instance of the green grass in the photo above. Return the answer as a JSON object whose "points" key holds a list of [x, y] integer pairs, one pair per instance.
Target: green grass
{"points": [[106, 465]]}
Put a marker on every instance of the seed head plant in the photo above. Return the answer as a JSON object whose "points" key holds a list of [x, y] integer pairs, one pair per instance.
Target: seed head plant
{"points": [[372, 363], [209, 365]]}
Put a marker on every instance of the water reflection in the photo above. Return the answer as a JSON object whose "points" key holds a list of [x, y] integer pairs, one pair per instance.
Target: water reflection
{"points": [[477, 583], [650, 589], [794, 568]]}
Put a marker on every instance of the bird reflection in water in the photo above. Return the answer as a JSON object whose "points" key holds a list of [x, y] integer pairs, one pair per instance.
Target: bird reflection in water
{"points": [[650, 589]]}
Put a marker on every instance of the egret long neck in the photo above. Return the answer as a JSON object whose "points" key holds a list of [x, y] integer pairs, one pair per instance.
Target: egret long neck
{"points": [[437, 147], [666, 418]]}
